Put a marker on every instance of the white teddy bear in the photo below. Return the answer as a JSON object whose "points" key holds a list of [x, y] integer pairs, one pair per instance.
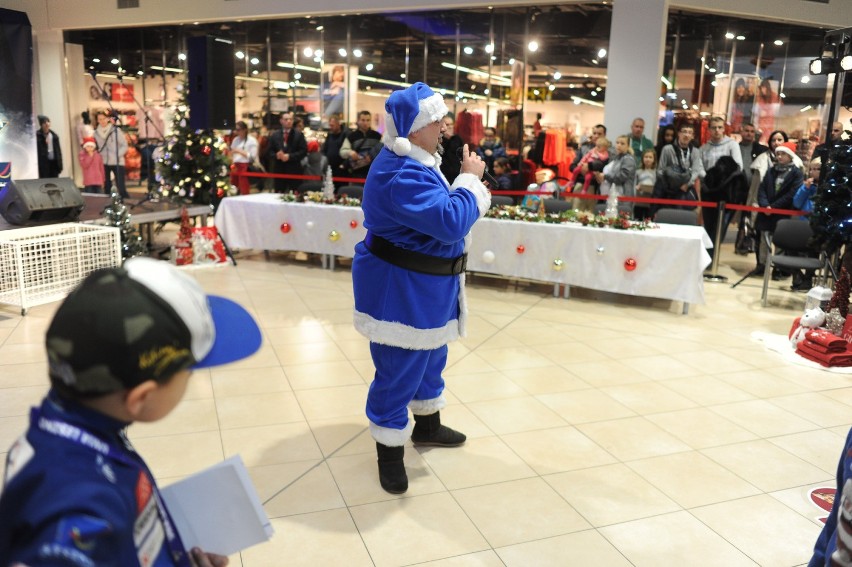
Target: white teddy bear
{"points": [[812, 319]]}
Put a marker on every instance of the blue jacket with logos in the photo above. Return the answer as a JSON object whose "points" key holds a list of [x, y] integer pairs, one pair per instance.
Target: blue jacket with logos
{"points": [[64, 503]]}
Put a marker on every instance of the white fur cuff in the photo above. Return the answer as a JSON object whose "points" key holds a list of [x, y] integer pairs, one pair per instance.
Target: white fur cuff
{"points": [[427, 407], [470, 182], [391, 437]]}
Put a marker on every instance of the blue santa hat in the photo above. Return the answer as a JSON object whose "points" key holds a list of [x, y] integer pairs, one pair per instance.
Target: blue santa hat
{"points": [[408, 111]]}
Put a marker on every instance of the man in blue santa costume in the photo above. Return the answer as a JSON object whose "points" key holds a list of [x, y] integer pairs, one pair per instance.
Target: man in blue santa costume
{"points": [[408, 276]]}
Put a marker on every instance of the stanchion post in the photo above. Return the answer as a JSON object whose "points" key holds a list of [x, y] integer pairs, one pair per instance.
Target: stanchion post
{"points": [[713, 276]]}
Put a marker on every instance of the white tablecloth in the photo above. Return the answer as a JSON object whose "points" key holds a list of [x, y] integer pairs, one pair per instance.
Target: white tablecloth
{"points": [[669, 260]]}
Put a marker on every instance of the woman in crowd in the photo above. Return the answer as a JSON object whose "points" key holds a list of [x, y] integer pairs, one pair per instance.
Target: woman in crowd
{"points": [[667, 136], [243, 154]]}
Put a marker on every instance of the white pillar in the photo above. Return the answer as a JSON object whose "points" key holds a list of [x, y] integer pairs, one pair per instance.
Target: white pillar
{"points": [[50, 80], [635, 63]]}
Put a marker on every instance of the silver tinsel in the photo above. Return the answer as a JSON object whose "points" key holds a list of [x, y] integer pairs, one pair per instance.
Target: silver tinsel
{"points": [[834, 322]]}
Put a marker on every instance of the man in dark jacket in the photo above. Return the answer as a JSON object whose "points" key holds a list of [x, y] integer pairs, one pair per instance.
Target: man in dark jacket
{"points": [[332, 145], [48, 150], [451, 143], [361, 146], [287, 147]]}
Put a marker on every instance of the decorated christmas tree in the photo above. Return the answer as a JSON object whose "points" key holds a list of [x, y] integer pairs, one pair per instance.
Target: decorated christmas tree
{"points": [[117, 215], [831, 219], [193, 165]]}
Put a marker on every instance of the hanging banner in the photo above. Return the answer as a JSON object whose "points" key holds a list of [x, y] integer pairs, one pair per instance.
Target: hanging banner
{"points": [[17, 130]]}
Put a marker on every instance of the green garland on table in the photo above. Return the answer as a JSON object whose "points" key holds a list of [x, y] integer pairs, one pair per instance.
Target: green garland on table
{"points": [[319, 198], [586, 218]]}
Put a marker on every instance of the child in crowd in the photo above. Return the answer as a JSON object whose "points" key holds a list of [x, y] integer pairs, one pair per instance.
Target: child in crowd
{"points": [[803, 200], [121, 348], [645, 180], [593, 161], [503, 173], [93, 166]]}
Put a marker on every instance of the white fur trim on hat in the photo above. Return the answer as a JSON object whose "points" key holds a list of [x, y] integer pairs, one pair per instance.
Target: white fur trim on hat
{"points": [[785, 149], [431, 109]]}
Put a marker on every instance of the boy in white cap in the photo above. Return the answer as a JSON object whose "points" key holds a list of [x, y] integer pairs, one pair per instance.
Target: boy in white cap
{"points": [[408, 276], [121, 348]]}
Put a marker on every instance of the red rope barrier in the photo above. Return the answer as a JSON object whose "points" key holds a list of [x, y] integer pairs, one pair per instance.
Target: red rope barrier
{"points": [[565, 195]]}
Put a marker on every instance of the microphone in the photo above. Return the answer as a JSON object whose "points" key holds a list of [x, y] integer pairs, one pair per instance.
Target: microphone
{"points": [[487, 177]]}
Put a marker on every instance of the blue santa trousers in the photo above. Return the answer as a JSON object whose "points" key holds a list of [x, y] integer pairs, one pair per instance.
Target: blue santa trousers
{"points": [[403, 375]]}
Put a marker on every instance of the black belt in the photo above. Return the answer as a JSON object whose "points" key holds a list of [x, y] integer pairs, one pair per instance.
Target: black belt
{"points": [[414, 261]]}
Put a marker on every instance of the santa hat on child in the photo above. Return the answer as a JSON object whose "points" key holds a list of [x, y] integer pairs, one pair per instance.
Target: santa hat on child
{"points": [[89, 142], [787, 148], [408, 111]]}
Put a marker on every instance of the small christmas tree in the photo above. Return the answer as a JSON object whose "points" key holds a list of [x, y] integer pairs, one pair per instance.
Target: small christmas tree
{"points": [[328, 185], [117, 215], [193, 164], [831, 218]]}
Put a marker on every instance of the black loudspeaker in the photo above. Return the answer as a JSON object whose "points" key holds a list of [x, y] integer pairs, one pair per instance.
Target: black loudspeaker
{"points": [[211, 83], [34, 201]]}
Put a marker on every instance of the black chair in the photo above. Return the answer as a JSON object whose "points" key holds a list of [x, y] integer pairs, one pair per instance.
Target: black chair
{"points": [[353, 191], [556, 206], [791, 236], [676, 216], [497, 200], [306, 186]]}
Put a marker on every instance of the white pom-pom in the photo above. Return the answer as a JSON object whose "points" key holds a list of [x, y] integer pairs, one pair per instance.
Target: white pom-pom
{"points": [[401, 146]]}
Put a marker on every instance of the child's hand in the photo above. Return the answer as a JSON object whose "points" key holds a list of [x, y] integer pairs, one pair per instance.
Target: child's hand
{"points": [[202, 559]]}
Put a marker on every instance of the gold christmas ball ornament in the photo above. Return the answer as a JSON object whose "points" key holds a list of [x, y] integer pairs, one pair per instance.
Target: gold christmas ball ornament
{"points": [[334, 236], [558, 264]]}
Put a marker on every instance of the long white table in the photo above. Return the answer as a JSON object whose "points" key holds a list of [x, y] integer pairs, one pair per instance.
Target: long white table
{"points": [[670, 260]]}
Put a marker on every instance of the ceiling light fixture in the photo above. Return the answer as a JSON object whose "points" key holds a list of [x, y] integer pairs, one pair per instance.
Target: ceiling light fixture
{"points": [[533, 46], [468, 50]]}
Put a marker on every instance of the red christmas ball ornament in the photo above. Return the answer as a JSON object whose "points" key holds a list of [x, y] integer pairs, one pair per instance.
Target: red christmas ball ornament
{"points": [[520, 249], [630, 264], [353, 224], [285, 228], [206, 150], [220, 193]]}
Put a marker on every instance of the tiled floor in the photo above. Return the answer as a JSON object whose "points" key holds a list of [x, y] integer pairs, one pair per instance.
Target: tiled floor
{"points": [[602, 430]]}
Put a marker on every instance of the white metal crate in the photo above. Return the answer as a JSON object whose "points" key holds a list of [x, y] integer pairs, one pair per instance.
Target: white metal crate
{"points": [[42, 264]]}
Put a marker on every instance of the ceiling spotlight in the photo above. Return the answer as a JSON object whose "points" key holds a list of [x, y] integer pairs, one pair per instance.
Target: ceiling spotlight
{"points": [[512, 61], [806, 79], [308, 52], [740, 37], [712, 69], [533, 45], [595, 61], [342, 52], [297, 76], [140, 73], [239, 54], [468, 50], [489, 48], [255, 60], [729, 35], [318, 53], [255, 72], [369, 66], [96, 60], [182, 56], [557, 75], [551, 88], [779, 42], [114, 61], [486, 91], [601, 53], [536, 92], [846, 63], [357, 52], [594, 93], [320, 28]]}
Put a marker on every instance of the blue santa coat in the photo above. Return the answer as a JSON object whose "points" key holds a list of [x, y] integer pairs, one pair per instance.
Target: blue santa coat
{"points": [[408, 202]]}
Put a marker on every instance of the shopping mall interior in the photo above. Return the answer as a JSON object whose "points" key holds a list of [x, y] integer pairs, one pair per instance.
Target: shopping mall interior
{"points": [[603, 428]]}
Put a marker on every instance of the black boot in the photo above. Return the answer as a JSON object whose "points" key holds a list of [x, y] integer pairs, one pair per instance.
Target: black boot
{"points": [[391, 468], [429, 431]]}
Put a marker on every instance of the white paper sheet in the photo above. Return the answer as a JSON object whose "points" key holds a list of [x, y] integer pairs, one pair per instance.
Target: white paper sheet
{"points": [[218, 509]]}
